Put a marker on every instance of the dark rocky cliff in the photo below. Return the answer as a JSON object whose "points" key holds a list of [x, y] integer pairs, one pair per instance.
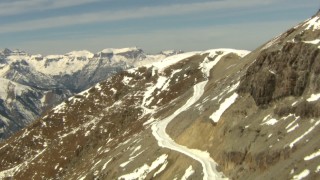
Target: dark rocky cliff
{"points": [[281, 73]]}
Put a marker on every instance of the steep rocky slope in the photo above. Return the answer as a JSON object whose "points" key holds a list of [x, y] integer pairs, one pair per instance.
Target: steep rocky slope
{"points": [[212, 115], [53, 78]]}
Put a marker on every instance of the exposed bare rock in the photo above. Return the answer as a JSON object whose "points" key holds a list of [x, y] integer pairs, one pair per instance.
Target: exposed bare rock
{"points": [[281, 73]]}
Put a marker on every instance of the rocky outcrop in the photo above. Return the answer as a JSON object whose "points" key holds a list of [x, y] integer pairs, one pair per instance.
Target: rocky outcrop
{"points": [[244, 162], [281, 73]]}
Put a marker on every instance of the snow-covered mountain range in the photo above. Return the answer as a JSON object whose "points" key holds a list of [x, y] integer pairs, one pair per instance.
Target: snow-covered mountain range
{"points": [[217, 114], [31, 84]]}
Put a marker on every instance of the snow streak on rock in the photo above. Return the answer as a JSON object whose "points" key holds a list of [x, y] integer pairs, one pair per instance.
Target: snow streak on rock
{"points": [[304, 134], [313, 24], [313, 97], [188, 173], [223, 107], [142, 172], [313, 155], [302, 175]]}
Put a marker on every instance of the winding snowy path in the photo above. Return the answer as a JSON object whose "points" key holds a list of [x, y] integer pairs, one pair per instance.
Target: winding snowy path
{"points": [[164, 140]]}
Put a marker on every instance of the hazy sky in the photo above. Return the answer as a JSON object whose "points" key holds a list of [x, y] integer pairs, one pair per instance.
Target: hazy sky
{"points": [[59, 26]]}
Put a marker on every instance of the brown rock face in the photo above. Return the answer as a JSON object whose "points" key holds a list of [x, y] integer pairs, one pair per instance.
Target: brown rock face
{"points": [[280, 73]]}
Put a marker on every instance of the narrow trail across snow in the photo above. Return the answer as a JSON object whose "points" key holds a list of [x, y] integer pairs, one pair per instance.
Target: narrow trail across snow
{"points": [[164, 140]]}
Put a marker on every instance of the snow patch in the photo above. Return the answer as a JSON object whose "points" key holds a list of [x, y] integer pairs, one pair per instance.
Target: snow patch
{"points": [[149, 121], [87, 133], [270, 122], [293, 128], [98, 87], [313, 24], [272, 72], [83, 127], [302, 175], [234, 87], [315, 41], [126, 80], [207, 65], [313, 155], [106, 164], [187, 173], [147, 97], [83, 177], [304, 134], [59, 108], [113, 90], [314, 97], [175, 71], [130, 159], [294, 103], [142, 172], [215, 117], [161, 82], [135, 150], [163, 167], [295, 120]]}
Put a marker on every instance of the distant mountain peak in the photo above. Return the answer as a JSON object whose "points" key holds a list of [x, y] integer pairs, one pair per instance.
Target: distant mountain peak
{"points": [[83, 53], [171, 52], [120, 50], [6, 51]]}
